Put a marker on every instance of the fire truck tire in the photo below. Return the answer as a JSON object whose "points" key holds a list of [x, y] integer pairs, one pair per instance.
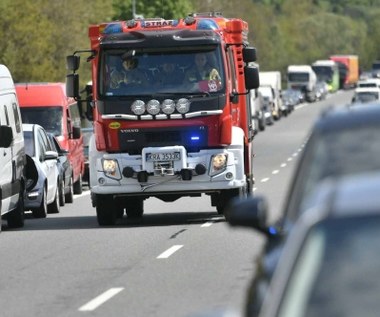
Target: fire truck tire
{"points": [[78, 185], [105, 212], [225, 196], [135, 207]]}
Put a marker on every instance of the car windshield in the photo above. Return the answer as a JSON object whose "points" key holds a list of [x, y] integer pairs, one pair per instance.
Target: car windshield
{"points": [[157, 70], [336, 272], [366, 97], [323, 73], [29, 143], [298, 76], [50, 118]]}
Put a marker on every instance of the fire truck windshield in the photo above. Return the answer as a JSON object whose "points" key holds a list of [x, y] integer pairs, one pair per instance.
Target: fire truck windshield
{"points": [[153, 71]]}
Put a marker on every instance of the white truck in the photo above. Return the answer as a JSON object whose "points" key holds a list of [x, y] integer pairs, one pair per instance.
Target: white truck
{"points": [[12, 154], [273, 80], [303, 78]]}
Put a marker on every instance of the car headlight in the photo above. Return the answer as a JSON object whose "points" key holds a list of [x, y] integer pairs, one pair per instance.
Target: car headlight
{"points": [[138, 107], [168, 106], [183, 105], [218, 163], [153, 107], [111, 168]]}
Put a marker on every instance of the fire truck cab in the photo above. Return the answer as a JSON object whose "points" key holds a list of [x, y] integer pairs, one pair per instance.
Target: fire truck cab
{"points": [[168, 136]]}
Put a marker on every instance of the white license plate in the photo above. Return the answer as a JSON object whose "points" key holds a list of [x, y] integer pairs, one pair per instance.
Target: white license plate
{"points": [[161, 157]]}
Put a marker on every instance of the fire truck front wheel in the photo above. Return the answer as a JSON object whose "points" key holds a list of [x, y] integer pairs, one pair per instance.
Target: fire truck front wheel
{"points": [[135, 207], [224, 198], [105, 211]]}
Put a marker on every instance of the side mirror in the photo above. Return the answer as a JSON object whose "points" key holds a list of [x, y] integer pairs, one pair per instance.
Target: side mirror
{"points": [[72, 62], [72, 85], [76, 133], [50, 155], [6, 136], [249, 54], [252, 80], [249, 213]]}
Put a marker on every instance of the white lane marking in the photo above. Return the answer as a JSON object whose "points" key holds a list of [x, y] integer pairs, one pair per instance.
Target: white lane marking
{"points": [[295, 154], [207, 224], [265, 180], [254, 188], [283, 164], [290, 159], [101, 299], [169, 251], [275, 172]]}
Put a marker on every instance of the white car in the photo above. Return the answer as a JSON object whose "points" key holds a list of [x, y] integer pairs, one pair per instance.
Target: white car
{"points": [[41, 194]]}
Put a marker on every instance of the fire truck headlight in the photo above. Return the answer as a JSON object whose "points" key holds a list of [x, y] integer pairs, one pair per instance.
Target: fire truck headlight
{"points": [[168, 106], [111, 168], [183, 105], [218, 163], [153, 107], [138, 107]]}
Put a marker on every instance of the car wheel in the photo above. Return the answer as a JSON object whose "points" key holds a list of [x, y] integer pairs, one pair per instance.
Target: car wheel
{"points": [[54, 208], [225, 196], [41, 211], [78, 185], [15, 218], [61, 193], [69, 197]]}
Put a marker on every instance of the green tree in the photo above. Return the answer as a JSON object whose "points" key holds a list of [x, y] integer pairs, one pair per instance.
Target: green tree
{"points": [[168, 9]]}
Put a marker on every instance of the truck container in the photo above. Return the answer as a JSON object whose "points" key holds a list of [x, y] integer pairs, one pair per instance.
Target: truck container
{"points": [[348, 70], [273, 79]]}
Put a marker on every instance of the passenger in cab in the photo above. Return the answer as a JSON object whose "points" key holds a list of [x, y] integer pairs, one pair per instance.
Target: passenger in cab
{"points": [[202, 70], [129, 74], [169, 74]]}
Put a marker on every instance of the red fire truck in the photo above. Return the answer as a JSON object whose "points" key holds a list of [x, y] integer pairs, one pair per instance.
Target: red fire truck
{"points": [[186, 136]]}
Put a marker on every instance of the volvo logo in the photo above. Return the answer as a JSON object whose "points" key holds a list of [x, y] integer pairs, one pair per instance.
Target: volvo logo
{"points": [[129, 131]]}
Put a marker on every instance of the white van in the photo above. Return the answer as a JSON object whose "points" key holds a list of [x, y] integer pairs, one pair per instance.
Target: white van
{"points": [[12, 154]]}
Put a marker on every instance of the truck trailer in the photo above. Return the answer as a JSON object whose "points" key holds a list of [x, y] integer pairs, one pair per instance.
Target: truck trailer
{"points": [[348, 70]]}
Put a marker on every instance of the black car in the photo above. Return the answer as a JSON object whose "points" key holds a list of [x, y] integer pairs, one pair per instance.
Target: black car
{"points": [[66, 187], [330, 262], [344, 141]]}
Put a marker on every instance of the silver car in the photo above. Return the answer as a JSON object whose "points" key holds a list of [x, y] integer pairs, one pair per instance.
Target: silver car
{"points": [[42, 192]]}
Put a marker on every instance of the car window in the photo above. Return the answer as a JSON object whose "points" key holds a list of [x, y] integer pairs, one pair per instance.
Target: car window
{"points": [[29, 143], [334, 274], [337, 153]]}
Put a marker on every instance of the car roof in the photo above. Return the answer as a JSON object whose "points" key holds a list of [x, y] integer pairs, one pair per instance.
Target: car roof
{"points": [[27, 127], [367, 89], [348, 117]]}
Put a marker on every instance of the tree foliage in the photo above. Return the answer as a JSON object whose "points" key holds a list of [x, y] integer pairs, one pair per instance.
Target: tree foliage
{"points": [[38, 35]]}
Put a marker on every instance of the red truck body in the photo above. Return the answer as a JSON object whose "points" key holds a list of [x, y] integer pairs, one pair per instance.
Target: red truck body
{"points": [[348, 69], [182, 139], [47, 104]]}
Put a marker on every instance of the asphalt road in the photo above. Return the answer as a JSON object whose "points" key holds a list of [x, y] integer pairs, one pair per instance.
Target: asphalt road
{"points": [[181, 260]]}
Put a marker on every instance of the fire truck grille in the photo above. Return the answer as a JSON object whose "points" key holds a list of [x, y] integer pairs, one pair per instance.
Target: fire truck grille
{"points": [[192, 138]]}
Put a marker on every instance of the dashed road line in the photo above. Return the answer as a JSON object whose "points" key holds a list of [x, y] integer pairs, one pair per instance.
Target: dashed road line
{"points": [[207, 224], [275, 172], [169, 252], [101, 299], [265, 180]]}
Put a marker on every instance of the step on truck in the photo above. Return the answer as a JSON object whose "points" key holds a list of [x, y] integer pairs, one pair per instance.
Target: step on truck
{"points": [[164, 138]]}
